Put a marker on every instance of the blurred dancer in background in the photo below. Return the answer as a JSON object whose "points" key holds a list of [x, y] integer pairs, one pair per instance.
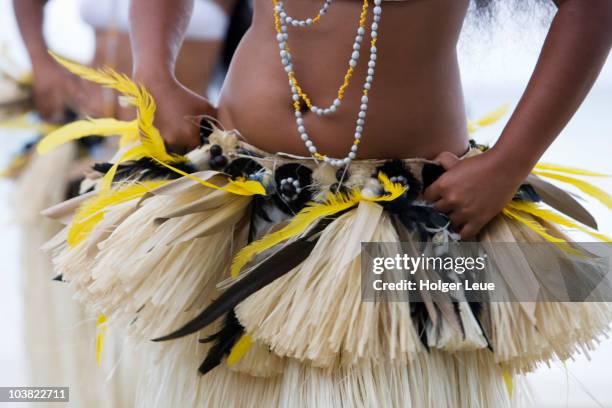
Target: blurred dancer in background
{"points": [[53, 321], [292, 328]]}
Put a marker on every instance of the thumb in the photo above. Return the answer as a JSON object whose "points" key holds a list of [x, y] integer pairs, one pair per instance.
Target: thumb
{"points": [[447, 160]]}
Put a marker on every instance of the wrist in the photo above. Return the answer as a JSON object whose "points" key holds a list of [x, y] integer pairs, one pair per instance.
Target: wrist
{"points": [[512, 164], [152, 76], [42, 61]]}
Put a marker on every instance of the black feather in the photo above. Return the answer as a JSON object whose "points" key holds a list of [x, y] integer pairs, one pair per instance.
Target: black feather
{"points": [[419, 316], [73, 188], [242, 167], [258, 212], [223, 340], [268, 271], [430, 173], [417, 217], [526, 192], [143, 169], [476, 308], [103, 167], [30, 145], [59, 278], [458, 313], [395, 168], [89, 142]]}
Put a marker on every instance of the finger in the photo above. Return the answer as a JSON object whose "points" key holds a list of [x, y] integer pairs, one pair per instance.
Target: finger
{"points": [[447, 160], [443, 206], [433, 193], [177, 148], [55, 115], [45, 113], [469, 230], [181, 147], [458, 219]]}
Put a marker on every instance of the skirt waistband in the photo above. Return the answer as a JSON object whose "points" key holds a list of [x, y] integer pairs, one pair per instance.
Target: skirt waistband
{"points": [[224, 151]]}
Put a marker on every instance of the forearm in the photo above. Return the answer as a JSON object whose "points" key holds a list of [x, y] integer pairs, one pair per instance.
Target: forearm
{"points": [[30, 17], [574, 52], [157, 32]]}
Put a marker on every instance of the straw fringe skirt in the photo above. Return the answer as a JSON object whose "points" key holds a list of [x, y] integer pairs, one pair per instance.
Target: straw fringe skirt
{"points": [[290, 329], [59, 336]]}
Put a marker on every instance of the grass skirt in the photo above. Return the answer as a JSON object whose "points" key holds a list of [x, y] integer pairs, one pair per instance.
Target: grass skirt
{"points": [[60, 337], [292, 324]]}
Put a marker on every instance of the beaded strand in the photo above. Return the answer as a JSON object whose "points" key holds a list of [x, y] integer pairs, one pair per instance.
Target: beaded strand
{"points": [[310, 21], [280, 14], [280, 19]]}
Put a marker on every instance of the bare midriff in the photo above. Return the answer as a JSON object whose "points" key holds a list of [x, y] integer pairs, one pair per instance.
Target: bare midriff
{"points": [[416, 106]]}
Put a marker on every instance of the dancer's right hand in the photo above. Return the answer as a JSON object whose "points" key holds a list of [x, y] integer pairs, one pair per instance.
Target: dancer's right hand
{"points": [[177, 113]]}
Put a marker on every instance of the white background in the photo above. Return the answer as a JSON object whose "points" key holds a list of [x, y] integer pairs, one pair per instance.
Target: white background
{"points": [[496, 61]]}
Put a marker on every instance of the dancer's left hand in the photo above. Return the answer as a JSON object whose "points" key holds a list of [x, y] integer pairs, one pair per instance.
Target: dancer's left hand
{"points": [[474, 190]]}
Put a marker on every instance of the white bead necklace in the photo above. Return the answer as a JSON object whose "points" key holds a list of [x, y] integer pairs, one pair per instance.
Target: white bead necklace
{"points": [[309, 21], [286, 58]]}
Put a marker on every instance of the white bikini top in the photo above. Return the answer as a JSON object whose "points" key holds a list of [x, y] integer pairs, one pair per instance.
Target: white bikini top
{"points": [[208, 21]]}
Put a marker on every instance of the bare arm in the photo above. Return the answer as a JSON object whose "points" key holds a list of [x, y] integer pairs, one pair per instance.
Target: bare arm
{"points": [[157, 32], [573, 55], [53, 86], [474, 190], [30, 18]]}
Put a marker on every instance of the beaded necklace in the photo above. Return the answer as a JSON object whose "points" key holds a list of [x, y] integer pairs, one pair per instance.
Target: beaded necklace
{"points": [[281, 22]]}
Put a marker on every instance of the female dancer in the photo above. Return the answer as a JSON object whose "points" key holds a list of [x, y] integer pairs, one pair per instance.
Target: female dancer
{"points": [[349, 127], [57, 95]]}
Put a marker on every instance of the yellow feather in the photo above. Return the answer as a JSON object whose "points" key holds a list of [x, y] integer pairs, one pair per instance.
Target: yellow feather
{"points": [[105, 76], [84, 128], [25, 80], [509, 382], [583, 186], [92, 211], [138, 96], [101, 329], [240, 187], [333, 204], [531, 224], [242, 346], [555, 218], [568, 170], [24, 122], [15, 165], [149, 135], [394, 189], [488, 119], [493, 116], [471, 127], [300, 223], [251, 186], [134, 153]]}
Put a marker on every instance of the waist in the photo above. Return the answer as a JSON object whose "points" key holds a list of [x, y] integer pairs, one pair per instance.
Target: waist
{"points": [[391, 130]]}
